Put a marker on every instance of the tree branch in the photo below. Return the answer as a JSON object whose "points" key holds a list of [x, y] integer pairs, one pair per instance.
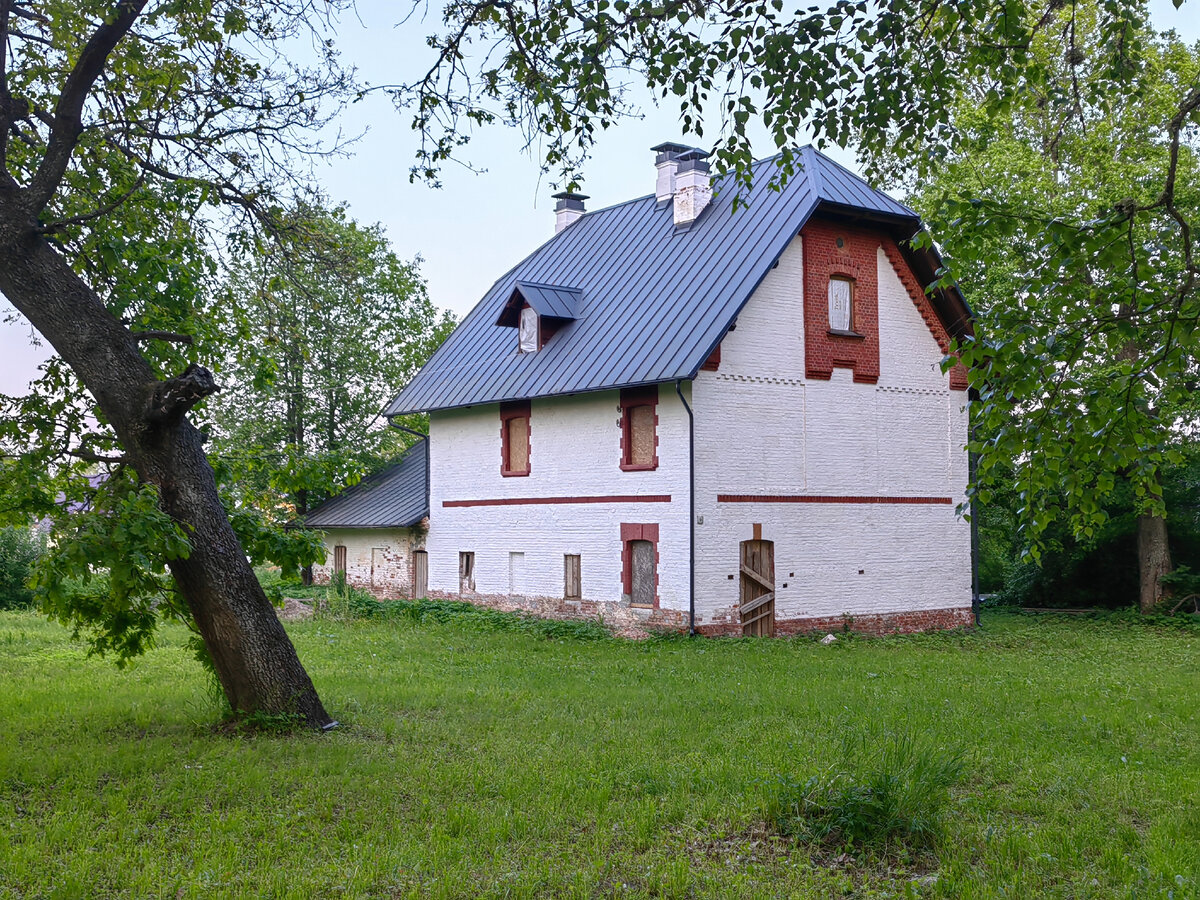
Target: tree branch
{"points": [[68, 114], [171, 399]]}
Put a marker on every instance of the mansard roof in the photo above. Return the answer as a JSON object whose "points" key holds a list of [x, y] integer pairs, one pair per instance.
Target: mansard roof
{"points": [[650, 301]]}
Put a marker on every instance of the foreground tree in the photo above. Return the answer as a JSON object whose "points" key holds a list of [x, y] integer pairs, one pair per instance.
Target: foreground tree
{"points": [[1099, 346], [329, 320], [116, 102]]}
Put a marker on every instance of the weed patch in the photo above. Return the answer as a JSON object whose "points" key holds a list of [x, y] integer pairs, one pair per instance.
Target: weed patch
{"points": [[889, 792]]}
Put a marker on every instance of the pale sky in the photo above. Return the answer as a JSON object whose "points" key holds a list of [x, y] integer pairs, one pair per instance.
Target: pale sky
{"points": [[476, 226]]}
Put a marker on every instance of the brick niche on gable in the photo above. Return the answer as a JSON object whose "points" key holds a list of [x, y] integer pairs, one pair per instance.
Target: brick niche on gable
{"points": [[856, 259]]}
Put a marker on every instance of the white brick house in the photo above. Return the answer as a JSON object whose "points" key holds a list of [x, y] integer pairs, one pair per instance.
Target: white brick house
{"points": [[736, 422]]}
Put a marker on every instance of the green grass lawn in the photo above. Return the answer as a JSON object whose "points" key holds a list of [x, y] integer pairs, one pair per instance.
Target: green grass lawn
{"points": [[477, 762]]}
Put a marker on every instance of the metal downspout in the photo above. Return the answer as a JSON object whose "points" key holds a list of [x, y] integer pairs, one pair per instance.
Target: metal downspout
{"points": [[972, 470], [691, 510], [425, 438]]}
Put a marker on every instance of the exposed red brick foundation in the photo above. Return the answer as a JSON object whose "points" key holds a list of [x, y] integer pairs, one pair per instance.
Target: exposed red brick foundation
{"points": [[876, 624]]}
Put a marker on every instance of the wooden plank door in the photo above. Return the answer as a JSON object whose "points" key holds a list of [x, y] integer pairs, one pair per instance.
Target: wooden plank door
{"points": [[420, 574], [339, 558], [757, 602]]}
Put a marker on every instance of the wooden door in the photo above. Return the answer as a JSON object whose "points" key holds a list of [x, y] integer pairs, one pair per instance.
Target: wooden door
{"points": [[339, 558], [420, 574], [757, 602]]}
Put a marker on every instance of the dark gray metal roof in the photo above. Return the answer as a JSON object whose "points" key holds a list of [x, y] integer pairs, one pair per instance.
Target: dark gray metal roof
{"points": [[655, 300], [397, 497]]}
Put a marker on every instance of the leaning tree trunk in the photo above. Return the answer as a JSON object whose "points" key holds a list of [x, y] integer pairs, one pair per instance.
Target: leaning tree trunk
{"points": [[254, 659], [1154, 561]]}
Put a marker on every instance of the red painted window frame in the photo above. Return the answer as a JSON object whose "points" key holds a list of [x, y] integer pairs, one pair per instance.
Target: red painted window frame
{"points": [[635, 531], [630, 398], [515, 409]]}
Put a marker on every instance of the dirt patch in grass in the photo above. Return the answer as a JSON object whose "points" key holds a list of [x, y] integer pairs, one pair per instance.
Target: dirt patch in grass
{"points": [[294, 609], [760, 846]]}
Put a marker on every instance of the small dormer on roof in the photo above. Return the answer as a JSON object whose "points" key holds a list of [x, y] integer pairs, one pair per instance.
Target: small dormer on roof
{"points": [[539, 310]]}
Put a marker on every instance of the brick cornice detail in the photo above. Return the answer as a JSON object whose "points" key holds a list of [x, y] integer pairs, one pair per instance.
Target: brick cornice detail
{"points": [[958, 375]]}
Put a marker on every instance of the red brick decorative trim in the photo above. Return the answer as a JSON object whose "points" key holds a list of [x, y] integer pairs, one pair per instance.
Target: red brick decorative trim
{"points": [[817, 498], [534, 501], [877, 624], [713, 362], [631, 532], [958, 375], [515, 410], [631, 397], [856, 259]]}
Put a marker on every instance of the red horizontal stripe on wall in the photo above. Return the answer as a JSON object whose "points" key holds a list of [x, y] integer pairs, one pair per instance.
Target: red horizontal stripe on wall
{"points": [[532, 501], [816, 498]]}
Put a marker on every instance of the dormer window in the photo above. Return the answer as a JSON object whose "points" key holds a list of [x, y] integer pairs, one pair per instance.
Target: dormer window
{"points": [[529, 331], [539, 311], [841, 305]]}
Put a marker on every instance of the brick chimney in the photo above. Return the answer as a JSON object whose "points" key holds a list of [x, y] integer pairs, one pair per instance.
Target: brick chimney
{"points": [[693, 187], [666, 162], [568, 209]]}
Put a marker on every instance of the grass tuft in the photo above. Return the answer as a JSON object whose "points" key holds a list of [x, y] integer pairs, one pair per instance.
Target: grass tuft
{"points": [[891, 790]]}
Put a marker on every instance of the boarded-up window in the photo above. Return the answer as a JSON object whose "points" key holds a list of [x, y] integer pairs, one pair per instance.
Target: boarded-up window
{"points": [[572, 577], [514, 438], [643, 573], [639, 428], [841, 302], [466, 573], [339, 559], [518, 444], [528, 331], [639, 563]]}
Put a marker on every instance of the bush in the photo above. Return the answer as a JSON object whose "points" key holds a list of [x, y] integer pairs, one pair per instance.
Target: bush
{"points": [[20, 548], [891, 789]]}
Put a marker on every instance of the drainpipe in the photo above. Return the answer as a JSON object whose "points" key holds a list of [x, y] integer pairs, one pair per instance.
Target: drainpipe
{"points": [[972, 470], [425, 438], [691, 510]]}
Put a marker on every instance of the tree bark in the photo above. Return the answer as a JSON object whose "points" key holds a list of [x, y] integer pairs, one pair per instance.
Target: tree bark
{"points": [[1154, 561], [254, 659]]}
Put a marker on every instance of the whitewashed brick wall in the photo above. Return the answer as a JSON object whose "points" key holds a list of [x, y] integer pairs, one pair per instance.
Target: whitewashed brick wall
{"points": [[575, 452], [762, 428], [377, 559]]}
